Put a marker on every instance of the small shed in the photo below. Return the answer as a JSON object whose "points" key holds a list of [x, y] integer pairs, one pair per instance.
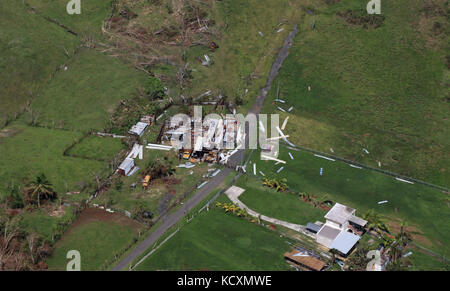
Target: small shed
{"points": [[126, 167], [138, 129], [304, 260], [312, 227]]}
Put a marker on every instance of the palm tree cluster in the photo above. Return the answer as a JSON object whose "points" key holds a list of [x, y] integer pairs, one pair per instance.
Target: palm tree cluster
{"points": [[376, 222], [233, 208], [38, 189], [279, 186]]}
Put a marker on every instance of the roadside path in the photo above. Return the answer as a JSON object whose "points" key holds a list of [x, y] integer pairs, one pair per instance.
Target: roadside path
{"points": [[234, 192], [172, 219]]}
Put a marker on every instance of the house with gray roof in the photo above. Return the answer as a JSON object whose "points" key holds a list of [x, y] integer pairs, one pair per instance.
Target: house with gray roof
{"points": [[342, 229]]}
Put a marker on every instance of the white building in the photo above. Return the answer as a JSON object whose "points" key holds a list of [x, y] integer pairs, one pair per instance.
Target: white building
{"points": [[341, 230]]}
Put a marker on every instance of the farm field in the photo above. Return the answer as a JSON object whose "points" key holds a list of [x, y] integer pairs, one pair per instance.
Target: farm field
{"points": [[83, 97], [32, 50], [98, 236], [86, 24], [422, 207], [215, 240], [97, 148], [384, 89], [284, 206], [30, 151]]}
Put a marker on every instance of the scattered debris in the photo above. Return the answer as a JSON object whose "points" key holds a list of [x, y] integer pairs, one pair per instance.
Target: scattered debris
{"points": [[379, 164], [323, 157], [202, 184], [405, 181], [382, 202], [353, 166], [291, 156], [279, 100], [280, 169], [280, 30], [290, 108], [331, 150], [284, 123], [407, 254], [158, 147], [273, 159], [321, 171], [254, 169], [366, 151], [262, 173], [260, 33], [281, 109]]}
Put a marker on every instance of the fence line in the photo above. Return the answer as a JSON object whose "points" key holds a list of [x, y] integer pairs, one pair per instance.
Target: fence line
{"points": [[392, 174]]}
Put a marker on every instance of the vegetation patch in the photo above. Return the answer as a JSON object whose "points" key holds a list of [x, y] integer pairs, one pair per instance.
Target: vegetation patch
{"points": [[362, 18], [214, 240]]}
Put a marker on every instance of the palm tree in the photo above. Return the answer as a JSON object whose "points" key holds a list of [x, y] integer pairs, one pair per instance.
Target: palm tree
{"points": [[40, 187], [375, 222]]}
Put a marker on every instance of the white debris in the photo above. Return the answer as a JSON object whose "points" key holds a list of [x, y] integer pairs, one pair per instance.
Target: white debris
{"points": [[366, 151], [353, 166], [260, 33], [279, 100], [331, 150], [405, 181], [284, 123], [202, 184], [215, 173], [280, 169], [379, 164], [280, 30], [290, 108], [407, 254], [291, 156], [321, 171], [191, 172], [281, 109], [273, 159], [262, 173], [254, 169], [382, 202], [326, 158]]}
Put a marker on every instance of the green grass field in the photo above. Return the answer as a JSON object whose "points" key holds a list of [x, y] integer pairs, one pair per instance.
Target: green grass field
{"points": [[97, 148], [83, 97], [96, 241], [215, 240], [419, 205], [88, 23], [284, 206], [32, 49], [383, 89], [30, 151], [244, 57]]}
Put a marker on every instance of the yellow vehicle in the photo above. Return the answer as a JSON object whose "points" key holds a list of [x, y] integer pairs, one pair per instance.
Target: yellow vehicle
{"points": [[187, 154], [146, 181]]}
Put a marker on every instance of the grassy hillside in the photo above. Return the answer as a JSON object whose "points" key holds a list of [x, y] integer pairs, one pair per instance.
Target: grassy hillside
{"points": [[423, 207], [384, 89], [28, 151], [215, 240], [32, 49], [84, 96]]}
